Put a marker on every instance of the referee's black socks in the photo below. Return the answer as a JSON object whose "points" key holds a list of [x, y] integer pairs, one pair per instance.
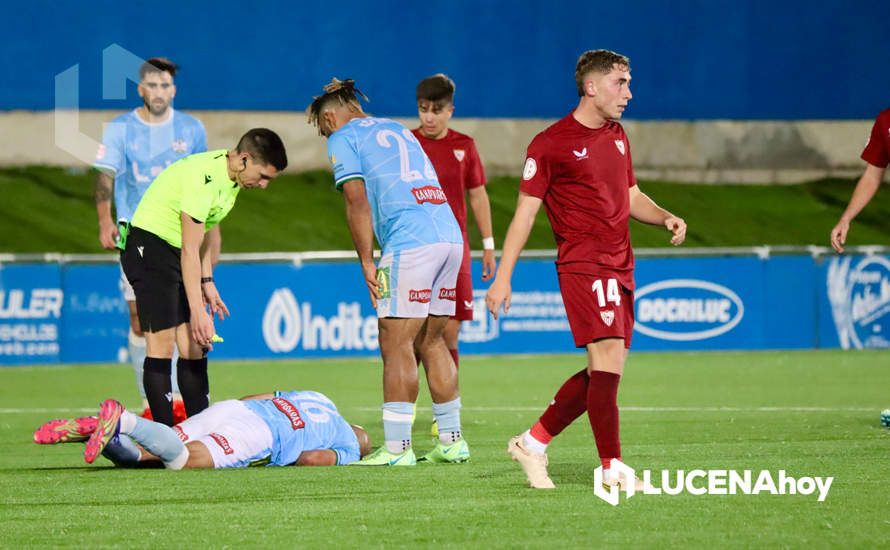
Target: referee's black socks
{"points": [[193, 384], [158, 388]]}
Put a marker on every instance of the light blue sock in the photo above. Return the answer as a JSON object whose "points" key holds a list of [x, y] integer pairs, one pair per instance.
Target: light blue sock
{"points": [[158, 439], [136, 349], [122, 451], [173, 378], [448, 419], [398, 417]]}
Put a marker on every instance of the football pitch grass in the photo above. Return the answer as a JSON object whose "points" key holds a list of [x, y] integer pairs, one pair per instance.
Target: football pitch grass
{"points": [[809, 413]]}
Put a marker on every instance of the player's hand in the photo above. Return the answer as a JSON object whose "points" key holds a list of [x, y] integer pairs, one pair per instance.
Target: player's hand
{"points": [[498, 294], [201, 326], [214, 301], [839, 235], [108, 234], [678, 227], [369, 270], [488, 265]]}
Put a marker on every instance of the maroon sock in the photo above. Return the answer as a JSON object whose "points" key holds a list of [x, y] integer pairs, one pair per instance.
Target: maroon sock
{"points": [[568, 404], [454, 355], [602, 410]]}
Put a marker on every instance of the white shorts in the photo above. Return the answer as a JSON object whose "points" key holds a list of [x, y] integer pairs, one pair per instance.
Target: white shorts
{"points": [[235, 436], [420, 281], [126, 288]]}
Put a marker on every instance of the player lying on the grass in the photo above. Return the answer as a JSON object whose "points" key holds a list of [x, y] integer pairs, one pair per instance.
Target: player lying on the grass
{"points": [[300, 428]]}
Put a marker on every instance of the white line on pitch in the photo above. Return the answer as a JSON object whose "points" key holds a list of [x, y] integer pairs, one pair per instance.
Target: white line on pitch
{"points": [[670, 409], [69, 410], [62, 410]]}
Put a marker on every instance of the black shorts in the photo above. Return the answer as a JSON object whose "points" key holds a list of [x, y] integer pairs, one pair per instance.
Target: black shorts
{"points": [[153, 268]]}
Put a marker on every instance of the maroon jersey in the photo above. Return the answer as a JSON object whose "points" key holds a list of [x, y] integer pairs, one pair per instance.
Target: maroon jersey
{"points": [[877, 150], [458, 167], [583, 176]]}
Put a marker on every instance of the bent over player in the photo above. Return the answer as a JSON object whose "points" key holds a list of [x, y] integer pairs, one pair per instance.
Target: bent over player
{"points": [[300, 428], [391, 192], [580, 169], [136, 147], [167, 261]]}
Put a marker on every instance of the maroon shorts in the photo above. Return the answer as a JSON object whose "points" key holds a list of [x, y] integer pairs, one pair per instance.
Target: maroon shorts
{"points": [[598, 307], [463, 310]]}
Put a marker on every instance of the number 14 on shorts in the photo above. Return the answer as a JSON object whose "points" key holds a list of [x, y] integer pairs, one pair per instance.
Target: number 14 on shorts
{"points": [[609, 294]]}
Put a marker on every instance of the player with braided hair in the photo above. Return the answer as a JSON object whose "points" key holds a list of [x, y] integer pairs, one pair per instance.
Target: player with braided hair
{"points": [[391, 192]]}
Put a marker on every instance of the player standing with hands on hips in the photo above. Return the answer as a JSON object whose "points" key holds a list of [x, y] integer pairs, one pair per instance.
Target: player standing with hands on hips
{"points": [[580, 169]]}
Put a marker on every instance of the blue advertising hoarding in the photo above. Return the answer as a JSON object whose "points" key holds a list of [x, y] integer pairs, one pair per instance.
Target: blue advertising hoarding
{"points": [[74, 313], [30, 313], [96, 318]]}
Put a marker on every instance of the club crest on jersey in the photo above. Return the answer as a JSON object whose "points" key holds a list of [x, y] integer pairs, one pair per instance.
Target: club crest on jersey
{"points": [[179, 146], [608, 317], [619, 143], [430, 194], [459, 154], [580, 155]]}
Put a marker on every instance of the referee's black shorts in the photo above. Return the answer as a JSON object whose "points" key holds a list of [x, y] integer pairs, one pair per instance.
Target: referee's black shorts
{"points": [[153, 268]]}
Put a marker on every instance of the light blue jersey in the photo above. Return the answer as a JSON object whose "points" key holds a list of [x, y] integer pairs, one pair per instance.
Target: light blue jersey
{"points": [[305, 421], [408, 206], [136, 151]]}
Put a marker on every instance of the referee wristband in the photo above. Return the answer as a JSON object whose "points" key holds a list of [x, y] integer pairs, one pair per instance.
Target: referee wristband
{"points": [[206, 280], [488, 243]]}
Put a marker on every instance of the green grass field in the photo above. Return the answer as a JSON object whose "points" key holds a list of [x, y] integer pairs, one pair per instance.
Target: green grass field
{"points": [[809, 413], [52, 210]]}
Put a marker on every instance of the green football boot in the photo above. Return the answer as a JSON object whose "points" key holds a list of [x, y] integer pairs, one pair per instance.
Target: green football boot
{"points": [[382, 457], [455, 453]]}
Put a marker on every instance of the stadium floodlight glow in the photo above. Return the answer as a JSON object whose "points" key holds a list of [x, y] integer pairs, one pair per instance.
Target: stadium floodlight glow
{"points": [[119, 65]]}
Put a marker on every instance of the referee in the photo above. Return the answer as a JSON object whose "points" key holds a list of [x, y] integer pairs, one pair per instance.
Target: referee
{"points": [[167, 261]]}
